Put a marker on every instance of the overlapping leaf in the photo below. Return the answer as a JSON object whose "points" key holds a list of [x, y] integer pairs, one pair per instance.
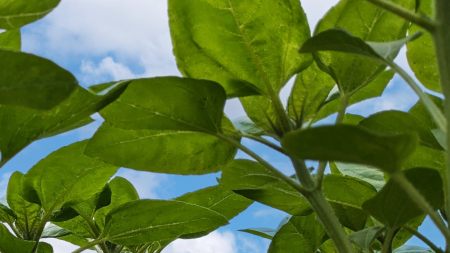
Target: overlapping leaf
{"points": [[11, 40], [14, 14]]}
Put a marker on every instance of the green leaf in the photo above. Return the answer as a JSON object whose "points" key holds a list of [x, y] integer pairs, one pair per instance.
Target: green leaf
{"points": [[144, 221], [64, 214], [77, 225], [254, 181], [392, 205], [6, 214], [302, 234], [33, 82], [44, 248], [261, 111], [346, 196], [351, 73], [28, 214], [11, 244], [403, 235], [366, 173], [426, 157], [366, 237], [75, 239], [352, 119], [11, 40], [412, 249], [246, 126], [168, 103], [27, 125], [393, 122], [164, 151], [352, 144], [310, 90], [267, 233], [372, 90], [53, 231], [14, 14], [421, 53], [340, 40], [122, 191], [64, 178], [245, 46], [420, 111]]}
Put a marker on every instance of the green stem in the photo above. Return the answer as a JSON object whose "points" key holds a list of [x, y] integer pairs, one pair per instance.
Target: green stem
{"points": [[434, 111], [415, 195], [420, 20], [342, 108], [320, 174], [423, 238], [387, 245], [14, 229], [40, 229], [89, 245], [96, 234], [265, 142]]}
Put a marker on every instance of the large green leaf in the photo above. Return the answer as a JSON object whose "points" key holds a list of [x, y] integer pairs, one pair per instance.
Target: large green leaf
{"points": [[372, 90], [243, 45], [254, 181], [143, 221], [422, 55], [302, 234], [27, 125], [420, 111], [426, 157], [392, 122], [346, 196], [366, 237], [392, 205], [122, 191], [33, 82], [366, 173], [377, 25], [11, 244], [66, 177], [168, 103], [310, 90], [352, 144], [28, 214], [164, 151], [11, 40], [14, 14], [53, 231]]}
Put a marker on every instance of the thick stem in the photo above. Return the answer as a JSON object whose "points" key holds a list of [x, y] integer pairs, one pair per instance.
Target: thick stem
{"points": [[387, 245], [424, 239], [320, 174], [330, 221], [415, 195], [303, 174], [420, 20], [342, 109]]}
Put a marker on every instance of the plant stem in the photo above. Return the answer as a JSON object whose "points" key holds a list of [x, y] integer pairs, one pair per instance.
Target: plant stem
{"points": [[415, 195], [14, 229], [265, 142], [420, 20], [434, 111], [387, 245], [423, 238], [89, 245], [96, 233], [40, 229], [320, 174], [342, 108]]}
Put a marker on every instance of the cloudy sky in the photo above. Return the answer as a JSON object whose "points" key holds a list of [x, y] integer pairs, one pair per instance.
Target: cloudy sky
{"points": [[105, 40]]}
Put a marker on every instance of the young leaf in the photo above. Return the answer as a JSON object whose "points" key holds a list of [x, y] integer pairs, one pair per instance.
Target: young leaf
{"points": [[246, 126], [267, 233], [143, 221], [302, 234], [353, 72], [346, 196], [164, 151], [11, 244], [261, 111], [11, 40], [19, 13], [422, 55], [392, 122], [53, 231], [392, 205], [33, 82], [28, 215], [366, 237], [6, 214], [310, 90], [168, 103], [365, 173], [27, 125], [254, 181], [352, 144], [122, 191], [64, 178], [247, 47]]}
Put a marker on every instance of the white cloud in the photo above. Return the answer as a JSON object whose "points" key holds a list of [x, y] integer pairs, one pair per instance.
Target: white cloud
{"points": [[4, 179], [269, 212], [106, 69], [146, 183], [215, 242]]}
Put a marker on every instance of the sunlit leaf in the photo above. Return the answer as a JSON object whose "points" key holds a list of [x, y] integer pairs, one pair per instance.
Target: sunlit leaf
{"points": [[14, 14]]}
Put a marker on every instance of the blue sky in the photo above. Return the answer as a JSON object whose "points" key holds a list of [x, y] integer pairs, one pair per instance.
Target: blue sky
{"points": [[105, 40]]}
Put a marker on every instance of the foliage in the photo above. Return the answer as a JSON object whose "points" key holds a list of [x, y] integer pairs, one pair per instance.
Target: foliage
{"points": [[388, 171]]}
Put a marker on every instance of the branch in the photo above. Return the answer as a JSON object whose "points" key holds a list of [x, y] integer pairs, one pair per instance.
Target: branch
{"points": [[423, 238]]}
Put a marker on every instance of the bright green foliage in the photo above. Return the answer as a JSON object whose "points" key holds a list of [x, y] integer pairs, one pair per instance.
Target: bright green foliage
{"points": [[262, 112], [45, 185], [354, 72], [33, 82], [11, 40], [366, 237], [233, 43], [363, 172], [14, 14], [247, 126], [11, 244], [351, 144], [302, 234], [392, 205], [53, 231], [255, 182]]}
